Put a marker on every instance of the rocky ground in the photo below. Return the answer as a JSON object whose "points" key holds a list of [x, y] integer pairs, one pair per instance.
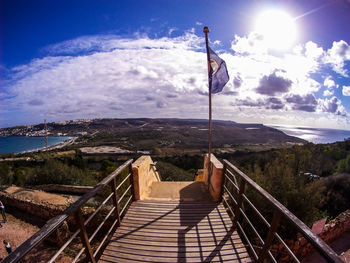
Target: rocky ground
{"points": [[16, 231], [341, 246]]}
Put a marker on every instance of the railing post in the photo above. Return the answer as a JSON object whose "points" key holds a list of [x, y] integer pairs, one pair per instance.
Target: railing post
{"points": [[115, 200], [273, 228], [132, 182], [84, 236], [239, 202]]}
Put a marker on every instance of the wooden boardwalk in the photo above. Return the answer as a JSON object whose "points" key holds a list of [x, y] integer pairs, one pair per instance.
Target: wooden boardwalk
{"points": [[175, 232]]}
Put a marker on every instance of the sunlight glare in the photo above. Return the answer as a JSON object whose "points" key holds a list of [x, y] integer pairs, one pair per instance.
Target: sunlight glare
{"points": [[277, 29]]}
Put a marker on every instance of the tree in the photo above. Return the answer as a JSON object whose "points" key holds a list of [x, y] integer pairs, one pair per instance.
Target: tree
{"points": [[19, 177], [337, 194], [344, 165], [5, 177]]}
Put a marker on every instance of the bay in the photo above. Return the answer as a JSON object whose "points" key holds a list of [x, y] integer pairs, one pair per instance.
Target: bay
{"points": [[18, 144], [314, 135]]}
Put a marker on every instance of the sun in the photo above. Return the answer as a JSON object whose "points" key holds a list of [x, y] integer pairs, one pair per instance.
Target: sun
{"points": [[277, 29]]}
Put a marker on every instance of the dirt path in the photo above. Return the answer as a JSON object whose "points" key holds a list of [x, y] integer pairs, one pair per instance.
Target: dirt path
{"points": [[16, 231]]}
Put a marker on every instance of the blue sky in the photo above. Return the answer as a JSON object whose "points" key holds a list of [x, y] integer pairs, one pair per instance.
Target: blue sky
{"points": [[65, 60]]}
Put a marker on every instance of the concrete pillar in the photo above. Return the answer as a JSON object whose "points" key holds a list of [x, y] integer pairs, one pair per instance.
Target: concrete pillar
{"points": [[215, 178], [144, 174]]}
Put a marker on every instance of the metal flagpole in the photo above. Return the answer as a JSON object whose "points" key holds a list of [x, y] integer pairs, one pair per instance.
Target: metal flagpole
{"points": [[206, 31]]}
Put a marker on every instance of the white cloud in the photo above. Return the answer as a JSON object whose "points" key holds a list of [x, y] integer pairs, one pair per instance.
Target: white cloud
{"points": [[171, 30], [253, 44], [346, 90], [337, 55], [328, 93], [107, 43], [313, 51], [332, 105], [126, 80], [329, 82], [111, 76]]}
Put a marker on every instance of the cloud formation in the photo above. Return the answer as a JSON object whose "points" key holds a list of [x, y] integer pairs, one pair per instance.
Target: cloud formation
{"points": [[332, 105], [274, 83], [346, 90], [303, 103], [112, 76], [337, 56]]}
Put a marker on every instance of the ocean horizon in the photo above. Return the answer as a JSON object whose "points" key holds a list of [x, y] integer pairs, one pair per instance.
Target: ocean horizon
{"points": [[20, 144], [314, 135]]}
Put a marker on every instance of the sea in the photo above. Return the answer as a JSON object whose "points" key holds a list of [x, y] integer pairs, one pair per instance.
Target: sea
{"points": [[19, 144], [314, 135]]}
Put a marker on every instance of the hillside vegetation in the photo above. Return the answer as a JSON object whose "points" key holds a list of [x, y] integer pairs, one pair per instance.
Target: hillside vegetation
{"points": [[311, 180]]}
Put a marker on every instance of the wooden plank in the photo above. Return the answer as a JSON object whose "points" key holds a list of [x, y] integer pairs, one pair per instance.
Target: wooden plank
{"points": [[243, 257], [175, 232], [200, 226], [181, 221], [168, 248], [174, 254], [209, 245], [234, 236], [149, 218], [123, 260], [168, 205], [174, 203], [178, 205], [182, 238], [198, 223], [177, 211], [174, 239], [155, 217]]}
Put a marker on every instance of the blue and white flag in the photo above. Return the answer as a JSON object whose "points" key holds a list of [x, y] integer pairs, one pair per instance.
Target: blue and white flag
{"points": [[219, 72]]}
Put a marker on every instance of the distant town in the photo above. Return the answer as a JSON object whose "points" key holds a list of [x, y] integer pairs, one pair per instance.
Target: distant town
{"points": [[39, 130]]}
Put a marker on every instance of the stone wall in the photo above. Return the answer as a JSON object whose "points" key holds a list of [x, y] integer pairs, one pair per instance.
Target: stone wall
{"points": [[45, 211], [74, 189], [41, 210]]}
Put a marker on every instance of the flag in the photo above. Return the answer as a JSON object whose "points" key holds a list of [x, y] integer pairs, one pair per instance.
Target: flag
{"points": [[219, 72]]}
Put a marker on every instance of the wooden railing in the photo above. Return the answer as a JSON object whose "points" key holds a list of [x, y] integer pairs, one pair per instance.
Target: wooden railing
{"points": [[235, 189], [90, 246]]}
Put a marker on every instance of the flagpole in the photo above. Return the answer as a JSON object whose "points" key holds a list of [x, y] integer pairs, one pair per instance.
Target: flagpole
{"points": [[206, 31]]}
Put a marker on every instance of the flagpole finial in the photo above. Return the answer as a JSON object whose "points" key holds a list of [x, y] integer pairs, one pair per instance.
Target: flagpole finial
{"points": [[206, 29]]}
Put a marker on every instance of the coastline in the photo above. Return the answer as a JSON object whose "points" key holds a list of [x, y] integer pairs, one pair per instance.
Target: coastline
{"points": [[59, 145], [314, 135], [56, 145]]}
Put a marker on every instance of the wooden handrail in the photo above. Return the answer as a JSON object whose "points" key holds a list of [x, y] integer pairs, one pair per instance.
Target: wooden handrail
{"points": [[311, 237], [57, 221]]}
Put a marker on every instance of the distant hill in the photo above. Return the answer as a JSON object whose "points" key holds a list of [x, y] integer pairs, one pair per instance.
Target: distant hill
{"points": [[149, 134]]}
